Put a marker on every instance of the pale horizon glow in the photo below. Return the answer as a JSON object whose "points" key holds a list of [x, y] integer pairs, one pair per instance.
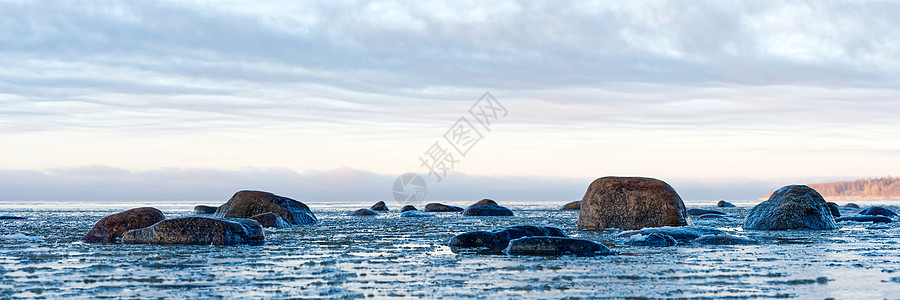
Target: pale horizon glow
{"points": [[727, 99]]}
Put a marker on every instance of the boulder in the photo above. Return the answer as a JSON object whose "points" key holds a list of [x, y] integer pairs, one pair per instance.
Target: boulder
{"points": [[113, 226], [245, 204], [199, 231], [711, 217], [850, 205], [204, 209], [415, 214], [833, 208], [380, 206], [574, 205], [494, 242], [791, 207], [631, 203], [877, 211], [680, 234], [438, 207], [651, 240], [270, 220], [873, 219], [724, 239], [700, 212], [723, 203], [408, 208], [554, 246], [11, 218], [364, 212], [487, 207]]}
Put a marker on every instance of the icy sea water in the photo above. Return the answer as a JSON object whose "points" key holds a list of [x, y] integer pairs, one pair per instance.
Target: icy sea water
{"points": [[392, 257]]}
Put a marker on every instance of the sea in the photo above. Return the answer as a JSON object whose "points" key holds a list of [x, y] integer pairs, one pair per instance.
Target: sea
{"points": [[393, 257]]}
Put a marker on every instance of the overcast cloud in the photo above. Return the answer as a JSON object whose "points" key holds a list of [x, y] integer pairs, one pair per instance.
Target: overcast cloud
{"points": [[695, 91]]}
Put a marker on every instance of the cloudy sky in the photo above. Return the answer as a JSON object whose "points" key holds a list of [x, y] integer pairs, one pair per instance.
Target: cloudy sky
{"points": [[131, 100]]}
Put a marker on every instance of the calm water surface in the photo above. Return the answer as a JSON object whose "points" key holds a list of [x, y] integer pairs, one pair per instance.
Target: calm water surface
{"points": [[388, 256]]}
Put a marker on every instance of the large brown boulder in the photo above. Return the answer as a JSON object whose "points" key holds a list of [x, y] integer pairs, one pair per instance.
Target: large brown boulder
{"points": [[380, 206], [440, 207], [791, 207], [199, 231], [113, 226], [631, 203], [245, 204]]}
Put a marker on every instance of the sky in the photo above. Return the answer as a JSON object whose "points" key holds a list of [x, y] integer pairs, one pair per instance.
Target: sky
{"points": [[333, 100]]}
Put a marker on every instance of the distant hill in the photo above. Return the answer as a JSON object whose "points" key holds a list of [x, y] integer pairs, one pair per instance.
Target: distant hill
{"points": [[886, 188]]}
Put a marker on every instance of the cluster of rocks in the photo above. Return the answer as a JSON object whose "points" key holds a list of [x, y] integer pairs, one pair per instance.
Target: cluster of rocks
{"points": [[485, 207], [525, 240], [238, 221]]}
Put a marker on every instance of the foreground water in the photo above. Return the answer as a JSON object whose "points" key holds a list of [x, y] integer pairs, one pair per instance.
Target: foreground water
{"points": [[389, 256]]}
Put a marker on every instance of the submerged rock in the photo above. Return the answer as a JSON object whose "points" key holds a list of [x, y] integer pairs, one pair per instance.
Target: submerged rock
{"points": [[204, 209], [877, 211], [380, 206], [487, 207], [833, 208], [553, 246], [575, 205], [11, 218], [113, 226], [631, 203], [791, 207], [711, 217], [680, 234], [438, 207], [724, 239], [364, 212], [199, 231], [270, 220], [850, 205], [408, 208], [873, 219], [245, 204], [700, 212], [651, 240], [494, 242], [415, 214], [723, 203]]}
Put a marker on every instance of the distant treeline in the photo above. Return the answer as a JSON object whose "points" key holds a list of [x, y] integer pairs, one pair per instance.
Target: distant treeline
{"points": [[886, 188]]}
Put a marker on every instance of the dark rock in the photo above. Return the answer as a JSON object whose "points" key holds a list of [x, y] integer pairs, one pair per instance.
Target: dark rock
{"points": [[873, 219], [723, 203], [415, 214], [380, 206], [575, 205], [711, 217], [833, 208], [700, 212], [199, 231], [724, 239], [877, 211], [487, 207], [680, 234], [204, 209], [494, 242], [11, 218], [553, 246], [631, 203], [113, 226], [245, 204], [408, 208], [438, 207], [850, 205], [364, 212], [651, 240], [270, 220], [791, 207]]}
